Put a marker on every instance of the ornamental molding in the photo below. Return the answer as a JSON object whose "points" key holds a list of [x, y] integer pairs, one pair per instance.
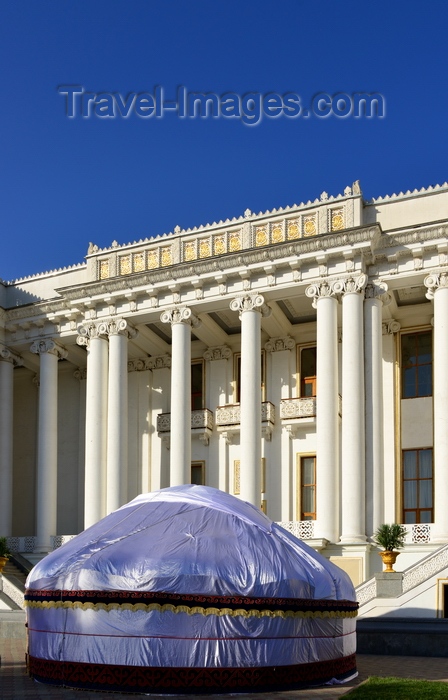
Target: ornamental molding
{"points": [[391, 240], [7, 355], [218, 352], [149, 363], [435, 281], [350, 285], [116, 326], [320, 290], [87, 332], [377, 290], [390, 327], [40, 347], [180, 314], [250, 302], [279, 344]]}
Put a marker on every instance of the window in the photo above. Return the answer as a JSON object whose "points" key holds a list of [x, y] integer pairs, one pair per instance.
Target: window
{"points": [[308, 488], [197, 385], [417, 486], [307, 370], [198, 473], [416, 364], [237, 393]]}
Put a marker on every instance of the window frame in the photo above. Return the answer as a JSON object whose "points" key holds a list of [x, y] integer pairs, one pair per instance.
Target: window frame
{"points": [[200, 362], [201, 464], [416, 332], [237, 377], [300, 348], [300, 457], [418, 479]]}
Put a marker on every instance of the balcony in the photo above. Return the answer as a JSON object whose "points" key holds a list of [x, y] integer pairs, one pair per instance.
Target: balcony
{"points": [[201, 424], [300, 412], [228, 419]]}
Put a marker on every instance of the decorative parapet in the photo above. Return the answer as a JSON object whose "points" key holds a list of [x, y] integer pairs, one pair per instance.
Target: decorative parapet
{"points": [[201, 419], [418, 534], [303, 529], [27, 544], [231, 414], [251, 231], [425, 568], [298, 408]]}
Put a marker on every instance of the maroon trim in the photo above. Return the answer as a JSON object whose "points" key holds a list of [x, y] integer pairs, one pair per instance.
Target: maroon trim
{"points": [[142, 679], [162, 598]]}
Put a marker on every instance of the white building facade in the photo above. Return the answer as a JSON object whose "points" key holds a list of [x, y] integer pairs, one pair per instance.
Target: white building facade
{"points": [[297, 358]]}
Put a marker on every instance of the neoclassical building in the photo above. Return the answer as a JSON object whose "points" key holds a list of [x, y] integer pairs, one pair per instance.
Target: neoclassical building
{"points": [[297, 358]]}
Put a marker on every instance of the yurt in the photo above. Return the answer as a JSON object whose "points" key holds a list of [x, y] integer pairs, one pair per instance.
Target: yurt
{"points": [[189, 590]]}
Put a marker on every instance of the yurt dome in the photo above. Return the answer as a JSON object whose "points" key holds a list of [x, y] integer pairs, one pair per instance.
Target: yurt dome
{"points": [[189, 590]]}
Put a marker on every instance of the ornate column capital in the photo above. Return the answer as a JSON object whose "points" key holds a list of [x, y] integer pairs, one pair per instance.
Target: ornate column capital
{"points": [[390, 327], [80, 373], [219, 352], [250, 302], [86, 332], [350, 285], [278, 344], [377, 290], [436, 281], [320, 290], [180, 314], [6, 355], [40, 347], [116, 326]]}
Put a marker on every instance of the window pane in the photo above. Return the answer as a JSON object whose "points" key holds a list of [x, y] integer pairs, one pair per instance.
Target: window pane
{"points": [[410, 494], [308, 362], [410, 464], [308, 499], [197, 474], [425, 380], [425, 463], [410, 517], [408, 350], [409, 383], [196, 386], [425, 493], [426, 516], [308, 470], [424, 345]]}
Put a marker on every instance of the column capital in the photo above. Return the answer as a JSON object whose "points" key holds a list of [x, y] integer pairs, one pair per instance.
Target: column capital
{"points": [[218, 352], [320, 290], [86, 332], [116, 326], [436, 281], [377, 290], [40, 347], [250, 302], [7, 355], [350, 285], [390, 327], [180, 314], [80, 373], [278, 344]]}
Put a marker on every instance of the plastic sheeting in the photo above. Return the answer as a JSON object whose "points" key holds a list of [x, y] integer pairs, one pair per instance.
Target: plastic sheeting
{"points": [[189, 577]]}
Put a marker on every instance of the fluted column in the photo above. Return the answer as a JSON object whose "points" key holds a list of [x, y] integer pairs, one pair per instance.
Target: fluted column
{"points": [[47, 442], [250, 307], [118, 332], [375, 296], [8, 360], [437, 285], [327, 409], [96, 422], [181, 320], [353, 492]]}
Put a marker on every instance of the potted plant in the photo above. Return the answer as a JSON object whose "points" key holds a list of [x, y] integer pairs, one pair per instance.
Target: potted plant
{"points": [[391, 538], [4, 553]]}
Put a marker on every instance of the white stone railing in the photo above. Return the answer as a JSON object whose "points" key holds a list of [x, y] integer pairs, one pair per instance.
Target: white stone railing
{"points": [[11, 591], [303, 407], [425, 568], [303, 529], [231, 414], [418, 534], [201, 418], [366, 591]]}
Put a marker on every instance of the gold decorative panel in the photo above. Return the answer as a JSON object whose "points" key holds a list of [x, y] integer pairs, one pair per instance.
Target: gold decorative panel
{"points": [[219, 245], [104, 269], [125, 265], [277, 234], [261, 236], [139, 262], [235, 241], [204, 248], [337, 219], [293, 230], [165, 256], [190, 250], [236, 477], [153, 259], [309, 225]]}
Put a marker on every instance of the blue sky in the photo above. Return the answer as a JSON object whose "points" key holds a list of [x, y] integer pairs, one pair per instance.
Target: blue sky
{"points": [[65, 182]]}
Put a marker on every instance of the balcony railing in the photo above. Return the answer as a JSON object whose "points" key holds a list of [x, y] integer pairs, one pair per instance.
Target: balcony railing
{"points": [[231, 414], [303, 529], [301, 407], [201, 418]]}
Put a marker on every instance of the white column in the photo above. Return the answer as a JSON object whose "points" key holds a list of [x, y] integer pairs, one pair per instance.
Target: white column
{"points": [[437, 285], [327, 409], [96, 423], [375, 295], [250, 308], [217, 359], [47, 442], [353, 492], [181, 319], [8, 360], [118, 332], [159, 403]]}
